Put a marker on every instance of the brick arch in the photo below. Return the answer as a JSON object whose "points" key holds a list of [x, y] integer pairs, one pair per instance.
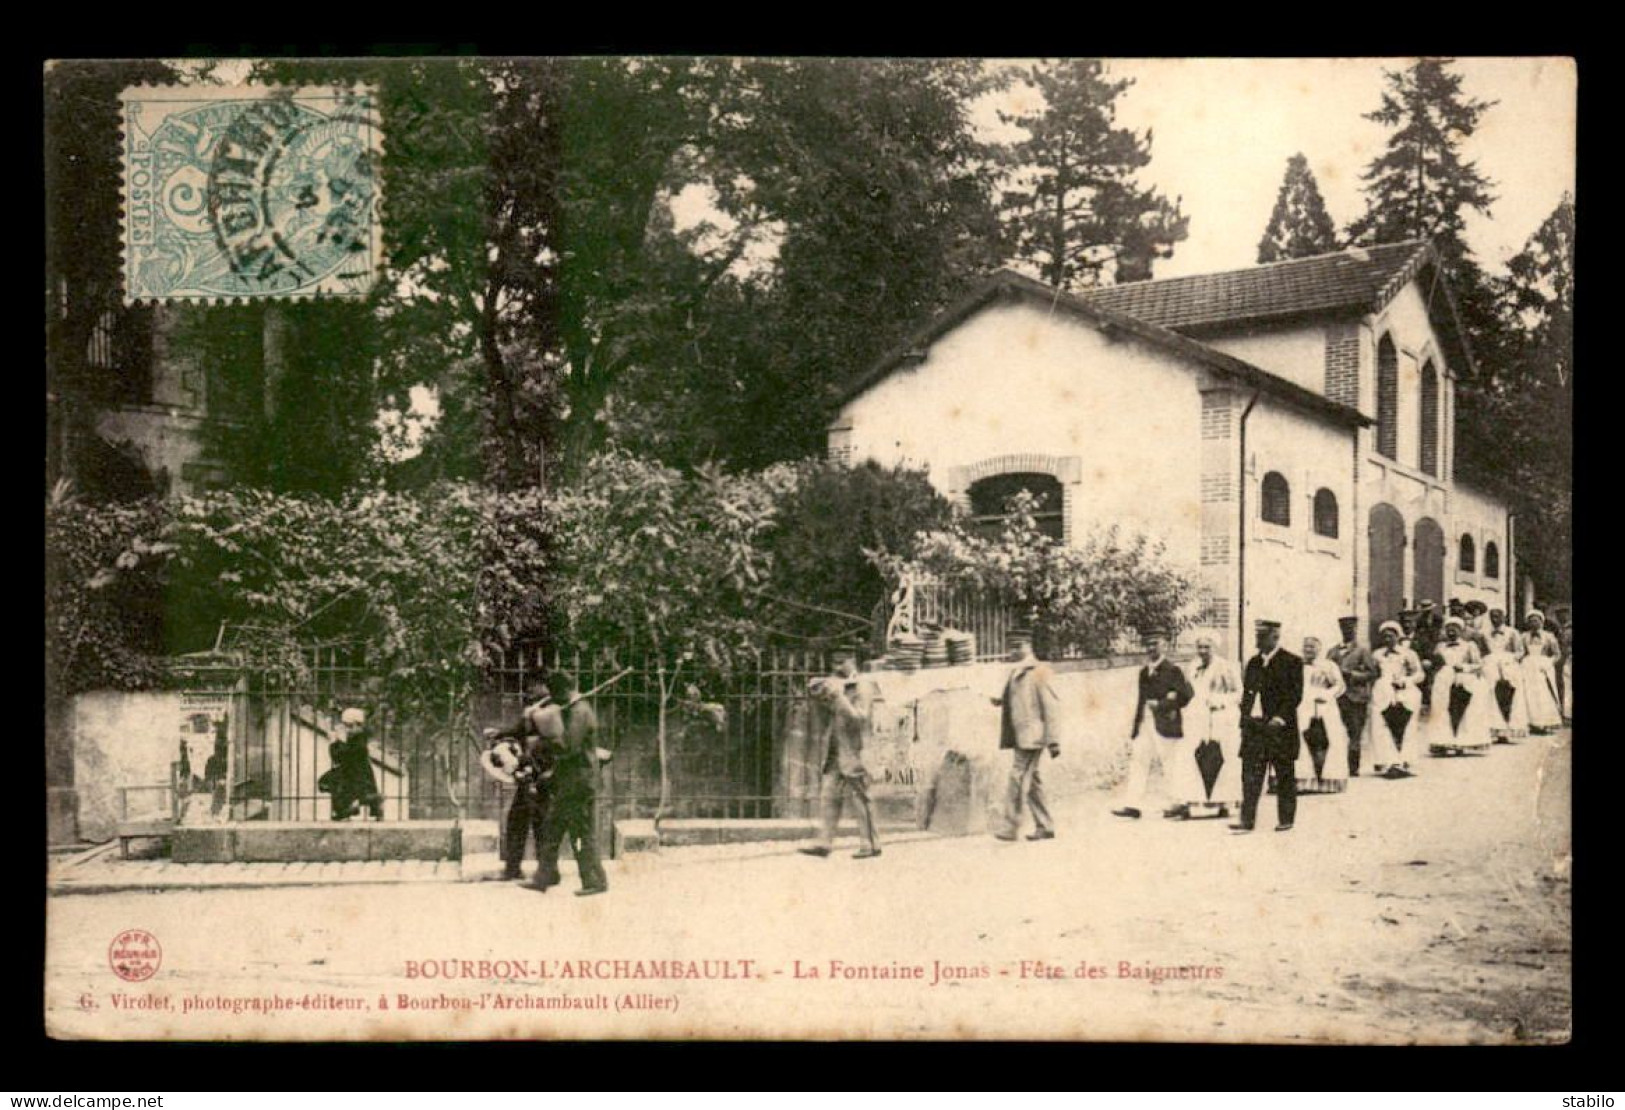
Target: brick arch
{"points": [[1066, 469]]}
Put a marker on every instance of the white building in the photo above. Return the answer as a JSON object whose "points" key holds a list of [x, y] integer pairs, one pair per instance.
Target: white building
{"points": [[1288, 430]]}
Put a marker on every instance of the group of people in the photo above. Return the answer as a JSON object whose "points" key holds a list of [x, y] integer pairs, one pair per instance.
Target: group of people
{"points": [[551, 756], [1451, 684]]}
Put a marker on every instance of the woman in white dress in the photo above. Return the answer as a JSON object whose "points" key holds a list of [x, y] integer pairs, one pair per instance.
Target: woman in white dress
{"points": [[1396, 698], [1541, 650], [1458, 675], [1322, 685], [1215, 714], [1505, 680]]}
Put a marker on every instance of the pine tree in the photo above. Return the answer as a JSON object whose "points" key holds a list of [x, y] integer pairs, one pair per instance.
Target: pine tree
{"points": [[1300, 225], [1539, 294], [1528, 401], [1421, 187], [1072, 203]]}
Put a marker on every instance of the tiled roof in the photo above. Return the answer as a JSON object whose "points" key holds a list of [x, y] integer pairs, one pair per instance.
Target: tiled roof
{"points": [[1007, 283], [1359, 280]]}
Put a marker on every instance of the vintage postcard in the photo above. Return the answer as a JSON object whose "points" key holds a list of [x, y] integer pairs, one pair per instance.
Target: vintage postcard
{"points": [[809, 549]]}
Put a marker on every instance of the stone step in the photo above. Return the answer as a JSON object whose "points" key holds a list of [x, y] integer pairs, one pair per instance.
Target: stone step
{"points": [[639, 835], [316, 841]]}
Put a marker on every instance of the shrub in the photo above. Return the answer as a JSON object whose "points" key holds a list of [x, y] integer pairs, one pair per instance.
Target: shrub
{"points": [[1079, 600]]}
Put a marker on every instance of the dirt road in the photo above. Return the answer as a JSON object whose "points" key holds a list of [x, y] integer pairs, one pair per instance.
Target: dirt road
{"points": [[1434, 909]]}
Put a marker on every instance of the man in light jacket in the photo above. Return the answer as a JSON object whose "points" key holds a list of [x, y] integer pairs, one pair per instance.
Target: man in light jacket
{"points": [[848, 698], [1030, 724]]}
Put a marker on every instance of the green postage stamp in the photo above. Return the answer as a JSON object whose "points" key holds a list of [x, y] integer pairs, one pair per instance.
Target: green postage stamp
{"points": [[249, 192]]}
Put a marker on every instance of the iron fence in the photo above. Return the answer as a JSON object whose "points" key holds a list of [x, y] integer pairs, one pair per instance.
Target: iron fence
{"points": [[272, 734]]}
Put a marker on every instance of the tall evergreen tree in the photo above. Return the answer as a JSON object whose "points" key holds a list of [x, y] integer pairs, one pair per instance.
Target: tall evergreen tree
{"points": [[1072, 204], [1528, 401], [1421, 186], [1300, 226]]}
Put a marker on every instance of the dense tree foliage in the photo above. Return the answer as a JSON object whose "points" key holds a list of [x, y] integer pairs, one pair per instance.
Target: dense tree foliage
{"points": [[1421, 186], [83, 267], [1527, 398], [832, 522], [1090, 598], [1299, 226], [1074, 207]]}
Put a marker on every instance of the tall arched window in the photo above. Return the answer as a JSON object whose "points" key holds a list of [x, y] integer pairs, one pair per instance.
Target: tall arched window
{"points": [[990, 497], [1326, 513], [1429, 461], [1468, 555], [1275, 505], [1387, 399], [1492, 560]]}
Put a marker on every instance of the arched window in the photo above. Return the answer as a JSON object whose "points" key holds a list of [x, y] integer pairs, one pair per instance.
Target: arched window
{"points": [[1492, 560], [1430, 419], [1468, 553], [1326, 513], [1387, 399], [1276, 502], [990, 498]]}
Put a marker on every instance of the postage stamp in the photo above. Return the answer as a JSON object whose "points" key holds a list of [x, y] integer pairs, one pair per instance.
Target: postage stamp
{"points": [[250, 192]]}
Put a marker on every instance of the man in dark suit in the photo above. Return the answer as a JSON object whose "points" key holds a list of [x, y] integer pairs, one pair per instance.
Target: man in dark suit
{"points": [[535, 735], [1164, 693], [1425, 636], [573, 814], [1271, 689]]}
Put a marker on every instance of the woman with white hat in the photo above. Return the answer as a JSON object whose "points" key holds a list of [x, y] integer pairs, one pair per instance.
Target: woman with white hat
{"points": [[1461, 712], [1396, 699], [1540, 674], [1216, 709], [1321, 769]]}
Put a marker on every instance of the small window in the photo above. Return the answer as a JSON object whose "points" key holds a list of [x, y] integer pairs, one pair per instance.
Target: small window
{"points": [[1468, 559], [1276, 504], [1492, 560], [1326, 513]]}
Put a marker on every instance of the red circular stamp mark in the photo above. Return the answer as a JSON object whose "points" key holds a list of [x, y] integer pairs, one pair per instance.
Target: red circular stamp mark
{"points": [[135, 955]]}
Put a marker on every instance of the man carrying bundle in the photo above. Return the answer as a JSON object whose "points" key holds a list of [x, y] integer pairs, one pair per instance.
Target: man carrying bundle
{"points": [[524, 753]]}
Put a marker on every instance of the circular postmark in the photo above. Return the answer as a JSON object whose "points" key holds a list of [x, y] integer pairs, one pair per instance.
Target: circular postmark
{"points": [[135, 955], [288, 193], [255, 196]]}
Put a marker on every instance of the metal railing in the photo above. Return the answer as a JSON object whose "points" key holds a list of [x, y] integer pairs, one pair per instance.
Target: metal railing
{"points": [[263, 739]]}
